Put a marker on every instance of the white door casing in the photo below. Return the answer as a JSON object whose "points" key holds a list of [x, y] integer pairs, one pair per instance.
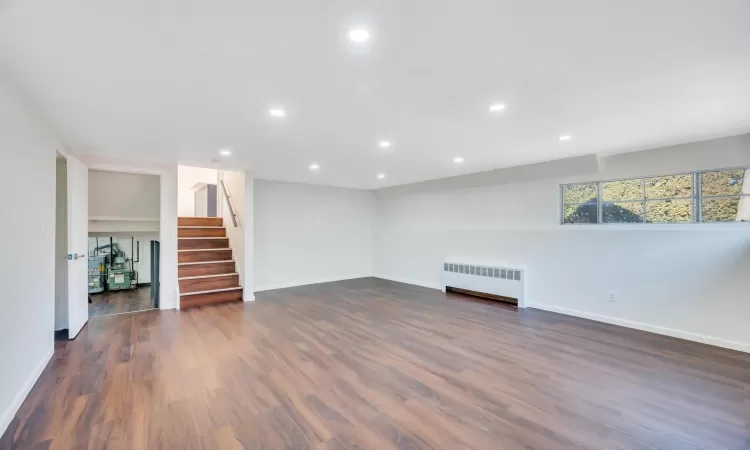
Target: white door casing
{"points": [[78, 230]]}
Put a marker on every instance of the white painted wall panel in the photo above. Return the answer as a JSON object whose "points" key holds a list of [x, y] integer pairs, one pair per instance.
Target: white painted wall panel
{"points": [[126, 195], [27, 238], [308, 234], [691, 281]]}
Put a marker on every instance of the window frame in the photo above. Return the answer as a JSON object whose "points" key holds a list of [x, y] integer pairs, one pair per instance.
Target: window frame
{"points": [[696, 199], [563, 204]]}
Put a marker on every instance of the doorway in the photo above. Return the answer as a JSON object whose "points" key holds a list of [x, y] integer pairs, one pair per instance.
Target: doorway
{"points": [[198, 192], [124, 227], [61, 248], [71, 229], [121, 278]]}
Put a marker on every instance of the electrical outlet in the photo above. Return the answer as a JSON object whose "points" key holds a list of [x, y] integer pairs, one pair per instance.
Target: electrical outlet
{"points": [[612, 296]]}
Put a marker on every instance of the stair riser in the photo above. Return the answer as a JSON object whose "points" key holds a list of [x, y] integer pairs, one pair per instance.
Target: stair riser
{"points": [[192, 244], [188, 301], [205, 269], [201, 232], [208, 255], [200, 221], [205, 284]]}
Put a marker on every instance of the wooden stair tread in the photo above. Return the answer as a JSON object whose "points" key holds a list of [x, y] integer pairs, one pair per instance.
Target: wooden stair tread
{"points": [[216, 275], [208, 284], [189, 301], [206, 270], [198, 232], [200, 221], [200, 226], [202, 243], [211, 254], [206, 262], [211, 291]]}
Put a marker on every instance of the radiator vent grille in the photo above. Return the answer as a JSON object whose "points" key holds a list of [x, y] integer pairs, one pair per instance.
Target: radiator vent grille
{"points": [[484, 271]]}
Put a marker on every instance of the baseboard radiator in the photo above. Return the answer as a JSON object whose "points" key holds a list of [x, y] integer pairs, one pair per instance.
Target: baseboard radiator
{"points": [[496, 282]]}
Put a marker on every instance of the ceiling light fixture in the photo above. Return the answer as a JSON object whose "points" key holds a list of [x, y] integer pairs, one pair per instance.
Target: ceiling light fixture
{"points": [[566, 137], [277, 112], [385, 144], [458, 160], [497, 107], [314, 166], [381, 176], [359, 35], [225, 152]]}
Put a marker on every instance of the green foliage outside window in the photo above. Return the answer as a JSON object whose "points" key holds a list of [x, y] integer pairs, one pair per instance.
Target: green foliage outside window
{"points": [[724, 197]]}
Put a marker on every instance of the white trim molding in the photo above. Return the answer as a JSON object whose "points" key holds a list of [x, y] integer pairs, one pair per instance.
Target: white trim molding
{"points": [[10, 412], [680, 334], [687, 335]]}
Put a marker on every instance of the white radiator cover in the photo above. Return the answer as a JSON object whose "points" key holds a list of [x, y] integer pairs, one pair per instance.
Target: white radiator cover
{"points": [[507, 280]]}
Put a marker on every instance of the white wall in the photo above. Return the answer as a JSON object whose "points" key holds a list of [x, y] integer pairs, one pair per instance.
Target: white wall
{"points": [[168, 291], [123, 195], [187, 177], [27, 238], [123, 202], [249, 224], [308, 234], [690, 281], [235, 183], [61, 245]]}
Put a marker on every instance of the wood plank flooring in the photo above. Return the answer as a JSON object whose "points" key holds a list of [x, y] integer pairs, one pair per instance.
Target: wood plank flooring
{"points": [[117, 302], [375, 364]]}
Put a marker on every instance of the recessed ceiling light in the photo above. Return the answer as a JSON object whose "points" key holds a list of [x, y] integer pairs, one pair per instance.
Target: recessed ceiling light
{"points": [[225, 152], [458, 160], [497, 107], [314, 166], [566, 137], [277, 112], [359, 35], [385, 144], [381, 176]]}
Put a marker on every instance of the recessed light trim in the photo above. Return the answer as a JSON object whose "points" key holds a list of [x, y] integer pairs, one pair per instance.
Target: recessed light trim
{"points": [[277, 112], [381, 176], [458, 160], [314, 166], [359, 35], [497, 107], [385, 144], [565, 137], [225, 152]]}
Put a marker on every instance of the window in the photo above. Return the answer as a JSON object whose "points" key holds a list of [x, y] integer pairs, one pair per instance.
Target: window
{"points": [[711, 196]]}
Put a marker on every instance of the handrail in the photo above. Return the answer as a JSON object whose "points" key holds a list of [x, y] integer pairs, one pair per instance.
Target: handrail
{"points": [[229, 202]]}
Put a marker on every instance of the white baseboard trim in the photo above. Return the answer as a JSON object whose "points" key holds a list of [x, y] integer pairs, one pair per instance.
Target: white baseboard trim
{"points": [[248, 296], [687, 335], [407, 281], [12, 409], [306, 283]]}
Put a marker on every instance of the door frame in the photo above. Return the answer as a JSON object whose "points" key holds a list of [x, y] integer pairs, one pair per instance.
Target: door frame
{"points": [[167, 173], [71, 310]]}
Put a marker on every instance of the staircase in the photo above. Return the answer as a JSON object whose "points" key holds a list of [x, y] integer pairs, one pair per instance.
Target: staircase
{"points": [[206, 270]]}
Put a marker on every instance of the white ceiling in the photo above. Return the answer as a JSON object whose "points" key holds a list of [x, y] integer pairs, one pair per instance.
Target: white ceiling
{"points": [[175, 80]]}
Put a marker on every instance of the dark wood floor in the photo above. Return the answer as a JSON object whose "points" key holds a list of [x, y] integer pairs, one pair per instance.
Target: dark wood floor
{"points": [[380, 365], [118, 302]]}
